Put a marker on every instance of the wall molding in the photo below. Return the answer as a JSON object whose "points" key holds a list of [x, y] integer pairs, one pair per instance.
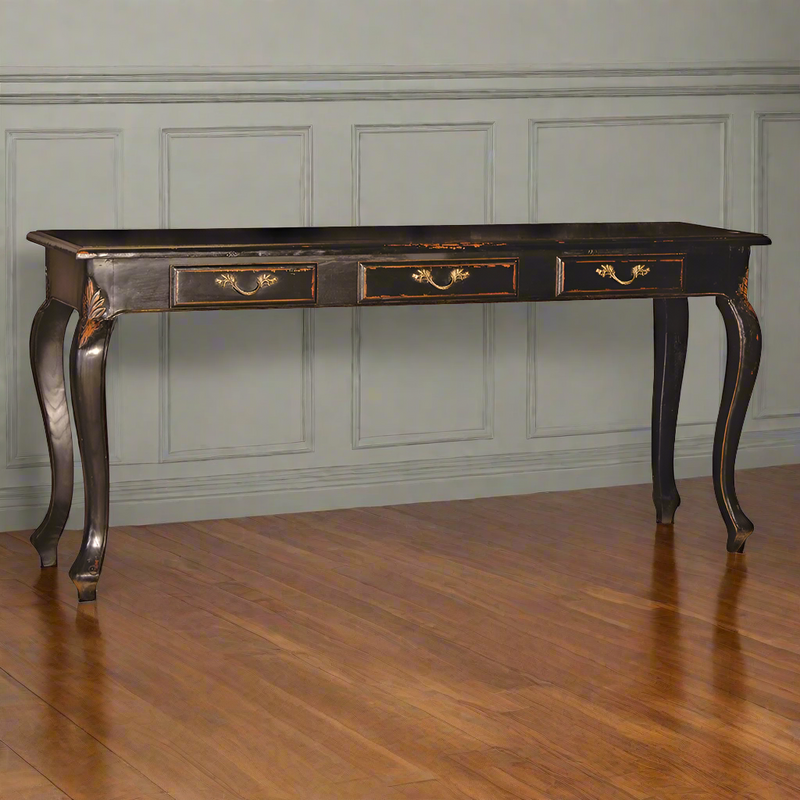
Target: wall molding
{"points": [[188, 489], [723, 120], [486, 431], [305, 133], [487, 128], [20, 85], [13, 458], [533, 429], [144, 98], [760, 255], [306, 443], [257, 73], [261, 84]]}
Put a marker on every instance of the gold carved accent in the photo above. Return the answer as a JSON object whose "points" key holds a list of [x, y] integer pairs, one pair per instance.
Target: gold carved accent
{"points": [[425, 276], [228, 279], [93, 312], [607, 271]]}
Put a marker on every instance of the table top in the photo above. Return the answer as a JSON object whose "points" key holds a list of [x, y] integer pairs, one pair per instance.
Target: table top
{"points": [[132, 243]]}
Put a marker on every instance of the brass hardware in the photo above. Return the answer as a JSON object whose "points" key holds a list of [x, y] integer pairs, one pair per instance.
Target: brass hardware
{"points": [[607, 271], [93, 312], [425, 276], [227, 279]]}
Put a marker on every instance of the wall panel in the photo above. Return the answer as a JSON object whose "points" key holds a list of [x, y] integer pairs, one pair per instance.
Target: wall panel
{"points": [[236, 177], [422, 375], [47, 170], [777, 278], [621, 169]]}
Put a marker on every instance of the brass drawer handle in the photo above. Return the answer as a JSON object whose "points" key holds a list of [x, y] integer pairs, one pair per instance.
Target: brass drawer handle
{"points": [[228, 279], [607, 271], [456, 275]]}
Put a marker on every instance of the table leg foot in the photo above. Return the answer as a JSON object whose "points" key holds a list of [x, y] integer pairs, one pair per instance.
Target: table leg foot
{"points": [[671, 335], [47, 364], [85, 583], [744, 355], [46, 544], [666, 508], [736, 545], [88, 385]]}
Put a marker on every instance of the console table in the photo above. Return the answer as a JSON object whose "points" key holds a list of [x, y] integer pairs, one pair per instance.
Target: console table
{"points": [[105, 273]]}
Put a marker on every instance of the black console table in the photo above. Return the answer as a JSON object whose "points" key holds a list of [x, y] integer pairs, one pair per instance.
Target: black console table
{"points": [[103, 274]]}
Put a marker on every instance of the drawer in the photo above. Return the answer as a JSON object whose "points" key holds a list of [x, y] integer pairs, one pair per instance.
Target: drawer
{"points": [[251, 284], [437, 280], [619, 274]]}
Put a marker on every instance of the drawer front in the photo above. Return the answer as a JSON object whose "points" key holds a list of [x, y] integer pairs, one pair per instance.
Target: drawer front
{"points": [[619, 275], [412, 281], [253, 284]]}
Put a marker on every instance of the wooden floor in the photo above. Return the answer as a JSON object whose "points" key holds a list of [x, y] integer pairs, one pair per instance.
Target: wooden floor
{"points": [[554, 646]]}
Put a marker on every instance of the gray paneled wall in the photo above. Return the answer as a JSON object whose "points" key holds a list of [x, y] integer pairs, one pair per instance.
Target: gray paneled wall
{"points": [[776, 208], [216, 414], [253, 398]]}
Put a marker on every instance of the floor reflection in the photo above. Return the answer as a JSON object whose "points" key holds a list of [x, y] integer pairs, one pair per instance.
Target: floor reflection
{"points": [[54, 626], [723, 699], [729, 673], [75, 672], [666, 655], [666, 694]]}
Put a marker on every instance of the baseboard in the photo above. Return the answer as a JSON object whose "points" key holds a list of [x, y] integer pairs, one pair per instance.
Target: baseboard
{"points": [[154, 501]]}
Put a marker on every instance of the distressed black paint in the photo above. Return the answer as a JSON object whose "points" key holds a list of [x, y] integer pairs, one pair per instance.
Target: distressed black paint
{"points": [[106, 273]]}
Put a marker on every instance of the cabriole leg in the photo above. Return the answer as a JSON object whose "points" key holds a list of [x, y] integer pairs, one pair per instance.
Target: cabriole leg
{"points": [[88, 385], [671, 334], [744, 354], [47, 363]]}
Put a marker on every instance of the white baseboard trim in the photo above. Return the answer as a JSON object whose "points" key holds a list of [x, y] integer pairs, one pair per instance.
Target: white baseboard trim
{"points": [[155, 500]]}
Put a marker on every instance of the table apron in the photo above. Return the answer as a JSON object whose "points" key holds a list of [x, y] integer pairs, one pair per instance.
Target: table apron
{"points": [[368, 279]]}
